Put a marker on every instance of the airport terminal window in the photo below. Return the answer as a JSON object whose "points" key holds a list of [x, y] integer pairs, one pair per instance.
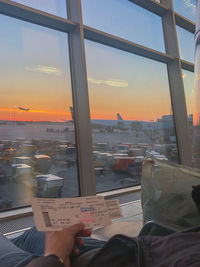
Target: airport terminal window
{"points": [[130, 114], [186, 44], [186, 8], [126, 20], [196, 113], [55, 7], [129, 97], [188, 80], [37, 138]]}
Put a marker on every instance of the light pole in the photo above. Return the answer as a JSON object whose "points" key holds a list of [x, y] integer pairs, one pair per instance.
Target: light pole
{"points": [[14, 114]]}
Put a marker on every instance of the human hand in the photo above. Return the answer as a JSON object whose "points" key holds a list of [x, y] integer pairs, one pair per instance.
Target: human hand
{"points": [[61, 243]]}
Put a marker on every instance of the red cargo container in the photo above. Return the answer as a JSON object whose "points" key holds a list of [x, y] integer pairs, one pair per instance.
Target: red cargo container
{"points": [[122, 163]]}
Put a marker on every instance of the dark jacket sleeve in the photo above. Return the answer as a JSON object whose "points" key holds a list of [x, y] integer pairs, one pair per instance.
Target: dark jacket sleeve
{"points": [[43, 261]]}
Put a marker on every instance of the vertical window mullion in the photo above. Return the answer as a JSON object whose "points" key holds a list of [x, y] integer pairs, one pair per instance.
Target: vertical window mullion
{"points": [[176, 86], [81, 101]]}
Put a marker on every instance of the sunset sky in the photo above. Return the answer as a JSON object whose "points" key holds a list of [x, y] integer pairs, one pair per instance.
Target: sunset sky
{"points": [[34, 66], [34, 72]]}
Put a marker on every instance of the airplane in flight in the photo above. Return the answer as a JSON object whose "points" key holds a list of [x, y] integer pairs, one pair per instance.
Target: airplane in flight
{"points": [[24, 109]]}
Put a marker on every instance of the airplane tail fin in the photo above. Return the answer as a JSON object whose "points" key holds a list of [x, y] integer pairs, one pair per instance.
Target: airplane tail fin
{"points": [[119, 117], [72, 113]]}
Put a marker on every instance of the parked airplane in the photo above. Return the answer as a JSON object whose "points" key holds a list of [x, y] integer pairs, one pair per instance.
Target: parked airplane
{"points": [[98, 123]]}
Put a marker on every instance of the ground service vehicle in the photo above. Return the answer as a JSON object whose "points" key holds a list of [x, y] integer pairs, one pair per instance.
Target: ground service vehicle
{"points": [[49, 185]]}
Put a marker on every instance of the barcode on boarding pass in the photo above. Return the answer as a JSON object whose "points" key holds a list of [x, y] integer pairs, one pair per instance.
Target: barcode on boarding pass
{"points": [[46, 219]]}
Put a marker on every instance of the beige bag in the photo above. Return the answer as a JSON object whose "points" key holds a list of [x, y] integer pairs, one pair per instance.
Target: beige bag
{"points": [[166, 193]]}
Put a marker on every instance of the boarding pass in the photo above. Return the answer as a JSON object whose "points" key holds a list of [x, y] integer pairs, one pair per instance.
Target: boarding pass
{"points": [[53, 214]]}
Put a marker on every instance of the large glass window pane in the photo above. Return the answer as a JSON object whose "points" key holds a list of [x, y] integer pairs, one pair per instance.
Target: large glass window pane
{"points": [[130, 114], [37, 139], [55, 7], [186, 44], [186, 8], [188, 80], [126, 20], [196, 113]]}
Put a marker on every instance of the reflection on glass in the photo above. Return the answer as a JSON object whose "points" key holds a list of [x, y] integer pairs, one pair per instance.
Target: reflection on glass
{"points": [[188, 80], [37, 144], [130, 114], [186, 8], [196, 119], [55, 7], [126, 20], [186, 44]]}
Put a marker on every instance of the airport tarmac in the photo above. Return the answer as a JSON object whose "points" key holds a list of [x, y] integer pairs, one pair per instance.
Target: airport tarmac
{"points": [[21, 193]]}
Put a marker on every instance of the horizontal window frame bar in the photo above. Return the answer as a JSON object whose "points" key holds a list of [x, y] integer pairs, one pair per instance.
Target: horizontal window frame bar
{"points": [[28, 14], [24, 212], [184, 23], [187, 65], [120, 192], [15, 213], [152, 6], [124, 45], [159, 9]]}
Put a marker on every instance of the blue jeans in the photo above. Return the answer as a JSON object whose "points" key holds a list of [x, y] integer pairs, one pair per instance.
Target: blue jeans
{"points": [[21, 250]]}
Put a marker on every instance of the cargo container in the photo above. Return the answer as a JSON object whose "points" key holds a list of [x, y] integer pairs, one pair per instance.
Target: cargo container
{"points": [[28, 149], [7, 155], [128, 144], [122, 147], [135, 169], [125, 151], [120, 155], [102, 160], [42, 163], [136, 152], [22, 172], [49, 185], [63, 148], [99, 162], [22, 160], [101, 146], [122, 163], [130, 165]]}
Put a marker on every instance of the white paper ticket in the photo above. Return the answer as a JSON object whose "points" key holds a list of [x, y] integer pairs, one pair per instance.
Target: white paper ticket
{"points": [[114, 209], [52, 214]]}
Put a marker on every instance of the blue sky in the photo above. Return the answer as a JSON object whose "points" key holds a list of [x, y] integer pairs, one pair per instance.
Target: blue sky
{"points": [[41, 56], [186, 8]]}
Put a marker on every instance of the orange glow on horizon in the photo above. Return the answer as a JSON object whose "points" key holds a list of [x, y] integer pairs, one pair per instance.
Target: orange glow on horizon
{"points": [[33, 115], [196, 119], [12, 114]]}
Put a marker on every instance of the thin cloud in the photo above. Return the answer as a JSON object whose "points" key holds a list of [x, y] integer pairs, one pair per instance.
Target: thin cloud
{"points": [[110, 82], [190, 3], [46, 70]]}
